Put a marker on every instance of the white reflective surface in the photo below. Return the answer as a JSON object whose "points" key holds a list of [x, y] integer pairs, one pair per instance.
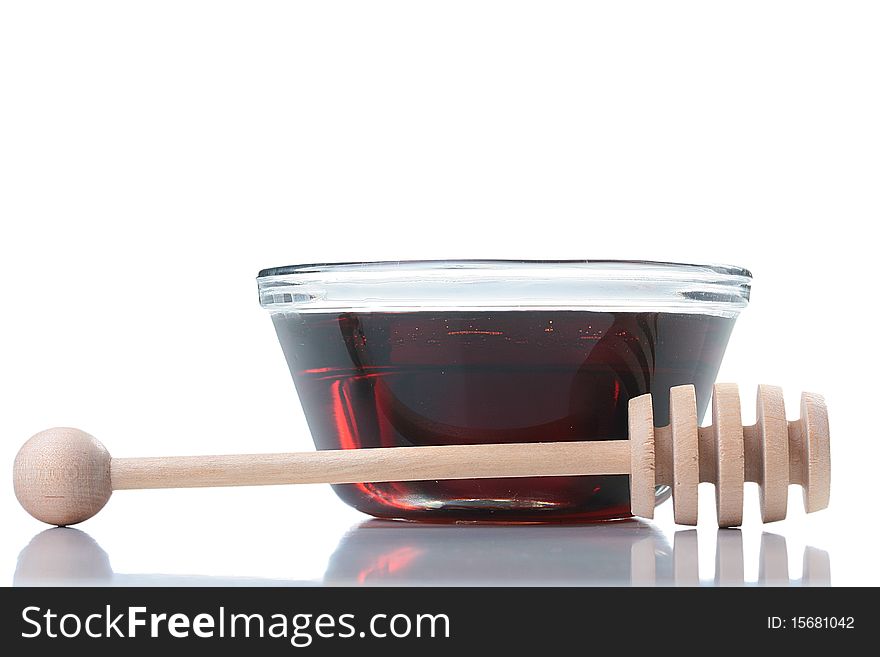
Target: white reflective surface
{"points": [[376, 553]]}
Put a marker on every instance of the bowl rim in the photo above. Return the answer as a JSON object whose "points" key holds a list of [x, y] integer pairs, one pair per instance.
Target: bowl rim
{"points": [[598, 265], [437, 285]]}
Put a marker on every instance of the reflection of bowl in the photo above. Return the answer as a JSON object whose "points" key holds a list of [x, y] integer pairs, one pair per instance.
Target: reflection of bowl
{"points": [[455, 352], [398, 554]]}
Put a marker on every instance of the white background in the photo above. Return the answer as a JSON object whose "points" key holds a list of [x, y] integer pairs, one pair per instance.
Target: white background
{"points": [[155, 155]]}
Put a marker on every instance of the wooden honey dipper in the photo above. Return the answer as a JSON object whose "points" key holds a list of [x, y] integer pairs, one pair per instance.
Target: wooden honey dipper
{"points": [[64, 476]]}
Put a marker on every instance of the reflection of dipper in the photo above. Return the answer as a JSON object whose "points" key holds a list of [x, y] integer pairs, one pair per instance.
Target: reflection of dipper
{"points": [[65, 476], [63, 557]]}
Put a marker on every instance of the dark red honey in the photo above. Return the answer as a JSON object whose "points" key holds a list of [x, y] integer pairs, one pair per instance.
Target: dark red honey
{"points": [[381, 379]]}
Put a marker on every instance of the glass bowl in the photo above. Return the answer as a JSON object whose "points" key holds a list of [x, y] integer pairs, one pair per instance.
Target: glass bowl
{"points": [[389, 354]]}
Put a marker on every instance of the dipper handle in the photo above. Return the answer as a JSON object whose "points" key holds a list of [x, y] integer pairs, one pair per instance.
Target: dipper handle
{"points": [[341, 466]]}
